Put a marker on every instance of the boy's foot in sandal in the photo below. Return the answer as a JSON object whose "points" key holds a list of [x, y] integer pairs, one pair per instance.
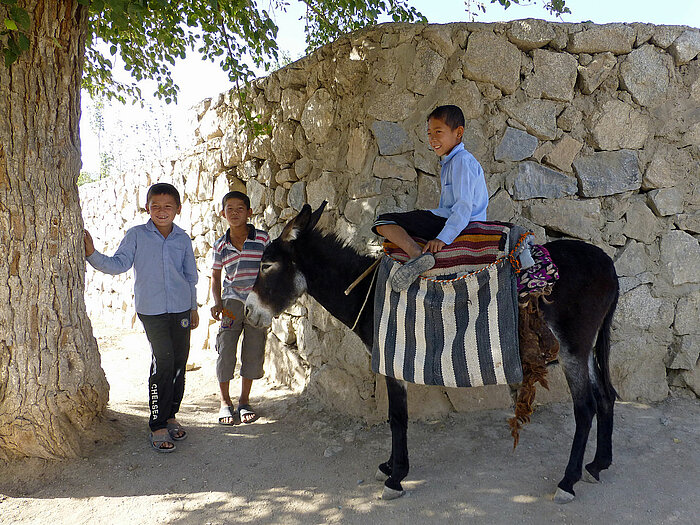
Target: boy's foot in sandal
{"points": [[409, 272], [161, 441], [246, 414], [226, 415], [176, 431]]}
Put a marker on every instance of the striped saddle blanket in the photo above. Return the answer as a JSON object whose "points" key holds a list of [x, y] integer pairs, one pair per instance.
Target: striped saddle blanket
{"points": [[458, 330]]}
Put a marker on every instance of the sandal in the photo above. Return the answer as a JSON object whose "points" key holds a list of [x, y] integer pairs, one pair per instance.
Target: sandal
{"points": [[409, 272], [176, 431], [226, 412], [246, 410], [157, 443]]}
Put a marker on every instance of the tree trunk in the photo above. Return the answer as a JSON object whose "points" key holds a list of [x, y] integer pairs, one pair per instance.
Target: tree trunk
{"points": [[52, 387]]}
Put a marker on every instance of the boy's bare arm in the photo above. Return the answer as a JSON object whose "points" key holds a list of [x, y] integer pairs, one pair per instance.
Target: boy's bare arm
{"points": [[216, 292], [89, 245]]}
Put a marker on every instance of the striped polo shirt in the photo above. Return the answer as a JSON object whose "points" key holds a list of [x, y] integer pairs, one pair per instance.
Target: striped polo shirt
{"points": [[240, 267]]}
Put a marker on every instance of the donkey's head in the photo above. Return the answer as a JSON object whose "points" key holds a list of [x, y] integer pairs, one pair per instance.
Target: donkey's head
{"points": [[280, 282]]}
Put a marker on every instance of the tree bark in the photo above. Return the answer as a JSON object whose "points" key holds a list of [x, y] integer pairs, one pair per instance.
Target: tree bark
{"points": [[52, 387]]}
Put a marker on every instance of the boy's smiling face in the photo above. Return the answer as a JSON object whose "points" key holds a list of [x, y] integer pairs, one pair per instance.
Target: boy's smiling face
{"points": [[162, 209], [443, 138], [236, 213]]}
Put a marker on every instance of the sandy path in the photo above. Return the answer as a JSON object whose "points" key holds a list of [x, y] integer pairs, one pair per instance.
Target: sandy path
{"points": [[300, 464]]}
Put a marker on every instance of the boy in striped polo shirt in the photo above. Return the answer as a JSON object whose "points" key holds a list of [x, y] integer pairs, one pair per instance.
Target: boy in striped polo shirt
{"points": [[238, 253]]}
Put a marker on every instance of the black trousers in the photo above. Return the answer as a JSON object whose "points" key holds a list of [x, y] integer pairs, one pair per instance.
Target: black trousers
{"points": [[417, 223], [169, 335]]}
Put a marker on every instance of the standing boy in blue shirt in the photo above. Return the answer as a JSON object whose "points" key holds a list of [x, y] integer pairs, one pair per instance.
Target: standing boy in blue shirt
{"points": [[165, 276], [237, 255], [463, 198]]}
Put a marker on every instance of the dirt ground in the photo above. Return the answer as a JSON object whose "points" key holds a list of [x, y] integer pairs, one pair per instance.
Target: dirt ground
{"points": [[301, 464]]}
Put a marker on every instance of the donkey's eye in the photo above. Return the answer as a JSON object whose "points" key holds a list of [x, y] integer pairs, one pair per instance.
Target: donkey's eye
{"points": [[266, 266]]}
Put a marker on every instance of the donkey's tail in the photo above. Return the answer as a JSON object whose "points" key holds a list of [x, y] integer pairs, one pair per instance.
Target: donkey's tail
{"points": [[602, 350]]}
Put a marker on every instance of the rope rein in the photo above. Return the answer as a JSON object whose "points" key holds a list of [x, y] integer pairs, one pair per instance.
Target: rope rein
{"points": [[369, 291]]}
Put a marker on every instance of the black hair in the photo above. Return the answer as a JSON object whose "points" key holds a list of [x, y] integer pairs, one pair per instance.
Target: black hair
{"points": [[236, 195], [449, 114], [163, 188]]}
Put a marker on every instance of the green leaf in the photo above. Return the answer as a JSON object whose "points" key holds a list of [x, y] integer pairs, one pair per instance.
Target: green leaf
{"points": [[23, 42], [10, 24], [20, 16], [8, 2], [84, 2], [10, 57]]}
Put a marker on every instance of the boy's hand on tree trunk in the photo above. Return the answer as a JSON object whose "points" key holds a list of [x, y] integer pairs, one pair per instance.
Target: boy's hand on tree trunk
{"points": [[89, 245]]}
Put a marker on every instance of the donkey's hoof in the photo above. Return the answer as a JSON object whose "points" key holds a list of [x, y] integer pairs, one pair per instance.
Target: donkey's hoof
{"points": [[388, 493], [588, 477], [380, 476], [561, 496]]}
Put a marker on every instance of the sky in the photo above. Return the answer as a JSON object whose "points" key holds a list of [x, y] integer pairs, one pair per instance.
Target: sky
{"points": [[199, 79]]}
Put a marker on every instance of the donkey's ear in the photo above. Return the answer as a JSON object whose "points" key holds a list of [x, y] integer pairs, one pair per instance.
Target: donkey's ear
{"points": [[297, 225], [315, 216]]}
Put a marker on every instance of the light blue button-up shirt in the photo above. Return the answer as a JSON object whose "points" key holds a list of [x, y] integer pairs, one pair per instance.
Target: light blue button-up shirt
{"points": [[165, 271], [463, 194]]}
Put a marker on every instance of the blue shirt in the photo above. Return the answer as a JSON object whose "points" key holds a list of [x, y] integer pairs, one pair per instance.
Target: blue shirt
{"points": [[463, 193], [240, 267], [165, 271]]}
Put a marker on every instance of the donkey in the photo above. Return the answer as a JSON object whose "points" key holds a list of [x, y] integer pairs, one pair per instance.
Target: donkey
{"points": [[579, 313]]}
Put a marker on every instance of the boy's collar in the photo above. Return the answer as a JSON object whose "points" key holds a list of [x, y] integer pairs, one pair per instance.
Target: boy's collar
{"points": [[251, 233], [150, 225], [458, 147]]}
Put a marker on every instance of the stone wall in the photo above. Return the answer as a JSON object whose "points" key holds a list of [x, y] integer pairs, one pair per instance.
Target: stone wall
{"points": [[584, 131]]}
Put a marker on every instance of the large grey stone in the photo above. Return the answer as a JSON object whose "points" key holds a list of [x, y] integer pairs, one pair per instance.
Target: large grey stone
{"points": [[318, 116], [501, 207], [428, 192], [680, 254], [632, 260], [257, 195], [689, 222], [391, 138], [686, 47], [581, 219], [608, 173], [554, 76], [234, 146], [282, 143], [687, 315], [392, 105], [594, 73], [292, 103], [394, 167], [618, 125], [358, 147], [530, 33], [361, 211], [538, 117], [664, 36], [531, 180], [484, 49], [323, 188], [426, 68], [296, 198], [686, 353], [668, 167], [666, 201], [640, 310], [515, 145], [465, 94], [641, 223], [616, 38], [637, 368], [645, 73]]}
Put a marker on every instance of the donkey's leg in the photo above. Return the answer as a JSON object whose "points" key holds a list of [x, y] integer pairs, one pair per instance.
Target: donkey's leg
{"points": [[576, 371], [397, 467], [603, 451]]}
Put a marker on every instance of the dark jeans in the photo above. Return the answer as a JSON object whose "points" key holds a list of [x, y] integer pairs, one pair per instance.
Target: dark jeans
{"points": [[169, 335], [417, 223]]}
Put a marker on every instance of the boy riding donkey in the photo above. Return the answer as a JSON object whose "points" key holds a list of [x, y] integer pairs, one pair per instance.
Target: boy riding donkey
{"points": [[463, 199]]}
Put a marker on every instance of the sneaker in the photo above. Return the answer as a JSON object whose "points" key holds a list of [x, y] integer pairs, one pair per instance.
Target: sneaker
{"points": [[409, 272]]}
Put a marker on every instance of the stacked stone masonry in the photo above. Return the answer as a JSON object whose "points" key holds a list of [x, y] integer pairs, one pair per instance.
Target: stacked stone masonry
{"points": [[584, 131]]}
